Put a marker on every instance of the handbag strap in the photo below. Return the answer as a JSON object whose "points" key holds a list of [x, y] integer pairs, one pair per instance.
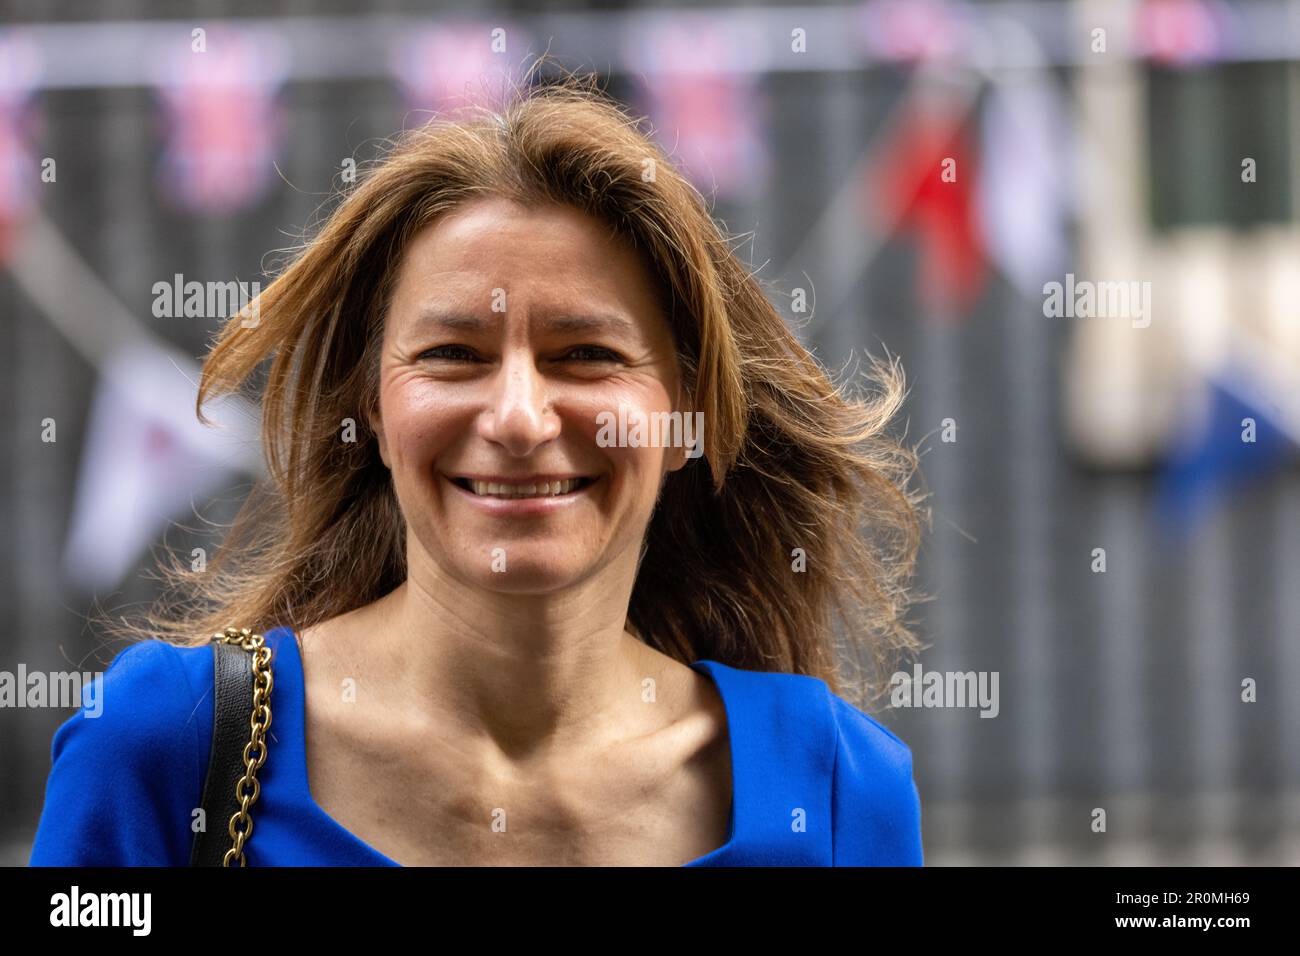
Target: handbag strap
{"points": [[242, 682]]}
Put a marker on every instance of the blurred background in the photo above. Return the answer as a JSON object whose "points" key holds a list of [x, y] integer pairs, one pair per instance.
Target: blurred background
{"points": [[1116, 500]]}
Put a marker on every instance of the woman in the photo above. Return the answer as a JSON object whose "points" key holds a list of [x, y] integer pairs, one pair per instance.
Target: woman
{"points": [[515, 626]]}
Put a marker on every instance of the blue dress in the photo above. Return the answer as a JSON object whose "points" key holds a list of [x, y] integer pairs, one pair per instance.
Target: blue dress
{"points": [[815, 781]]}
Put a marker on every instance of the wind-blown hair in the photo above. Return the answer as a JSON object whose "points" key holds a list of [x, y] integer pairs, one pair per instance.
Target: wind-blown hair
{"points": [[798, 517]]}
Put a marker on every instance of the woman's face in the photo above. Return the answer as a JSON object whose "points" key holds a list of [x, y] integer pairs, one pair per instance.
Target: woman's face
{"points": [[510, 331]]}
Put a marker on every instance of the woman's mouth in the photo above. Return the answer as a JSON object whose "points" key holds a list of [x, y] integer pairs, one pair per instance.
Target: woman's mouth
{"points": [[554, 488]]}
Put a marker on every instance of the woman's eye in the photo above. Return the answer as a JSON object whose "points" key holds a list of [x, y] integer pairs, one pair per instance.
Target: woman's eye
{"points": [[451, 352], [590, 353], [582, 353]]}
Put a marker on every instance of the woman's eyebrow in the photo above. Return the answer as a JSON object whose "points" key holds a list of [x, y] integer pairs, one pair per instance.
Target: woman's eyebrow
{"points": [[451, 321], [596, 322], [563, 323]]}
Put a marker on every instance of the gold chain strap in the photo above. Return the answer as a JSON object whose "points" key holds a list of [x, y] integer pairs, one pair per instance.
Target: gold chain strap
{"points": [[241, 824]]}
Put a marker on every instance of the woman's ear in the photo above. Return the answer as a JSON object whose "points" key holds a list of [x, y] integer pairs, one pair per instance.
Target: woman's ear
{"points": [[377, 426], [692, 434], [676, 459]]}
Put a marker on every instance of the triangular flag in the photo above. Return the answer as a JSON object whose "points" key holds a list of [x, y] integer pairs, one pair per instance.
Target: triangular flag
{"points": [[1024, 189], [147, 459], [1236, 441], [925, 181]]}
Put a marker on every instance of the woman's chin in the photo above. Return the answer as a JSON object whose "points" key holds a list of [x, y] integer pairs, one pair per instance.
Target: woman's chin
{"points": [[531, 576]]}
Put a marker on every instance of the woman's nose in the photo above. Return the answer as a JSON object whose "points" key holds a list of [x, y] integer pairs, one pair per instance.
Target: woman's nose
{"points": [[519, 416]]}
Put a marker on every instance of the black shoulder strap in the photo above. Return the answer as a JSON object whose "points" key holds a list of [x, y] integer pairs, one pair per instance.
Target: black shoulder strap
{"points": [[232, 695]]}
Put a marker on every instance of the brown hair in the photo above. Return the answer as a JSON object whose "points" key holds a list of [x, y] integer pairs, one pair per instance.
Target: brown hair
{"points": [[791, 460]]}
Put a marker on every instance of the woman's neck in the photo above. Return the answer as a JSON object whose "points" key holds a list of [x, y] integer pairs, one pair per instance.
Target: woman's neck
{"points": [[525, 675]]}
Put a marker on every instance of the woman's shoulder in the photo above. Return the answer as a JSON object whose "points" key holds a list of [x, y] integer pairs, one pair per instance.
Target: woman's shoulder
{"points": [[817, 734], [146, 696], [135, 750], [809, 705], [875, 800], [863, 739], [152, 689]]}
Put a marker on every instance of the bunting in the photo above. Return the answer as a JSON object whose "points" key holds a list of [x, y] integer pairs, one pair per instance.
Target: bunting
{"points": [[222, 127], [924, 182], [19, 171], [705, 108], [147, 460], [447, 68]]}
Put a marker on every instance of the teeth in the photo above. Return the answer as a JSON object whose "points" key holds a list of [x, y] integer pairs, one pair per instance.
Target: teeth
{"points": [[542, 490]]}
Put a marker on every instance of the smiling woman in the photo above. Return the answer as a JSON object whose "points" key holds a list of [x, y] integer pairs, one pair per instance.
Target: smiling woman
{"points": [[492, 384], [508, 638]]}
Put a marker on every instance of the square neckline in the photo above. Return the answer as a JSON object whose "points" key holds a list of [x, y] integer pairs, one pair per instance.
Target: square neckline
{"points": [[709, 668]]}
